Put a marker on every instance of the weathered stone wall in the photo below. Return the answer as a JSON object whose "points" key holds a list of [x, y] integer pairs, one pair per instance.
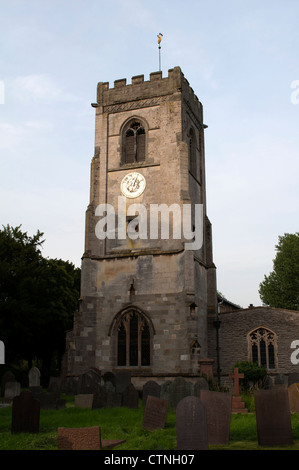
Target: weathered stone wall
{"points": [[234, 330], [173, 288]]}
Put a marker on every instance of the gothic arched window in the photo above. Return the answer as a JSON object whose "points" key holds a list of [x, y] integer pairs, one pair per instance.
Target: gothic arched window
{"points": [[134, 138], [133, 340], [263, 347]]}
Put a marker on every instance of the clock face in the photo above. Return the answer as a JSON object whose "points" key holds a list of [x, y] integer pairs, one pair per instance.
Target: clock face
{"points": [[133, 185]]}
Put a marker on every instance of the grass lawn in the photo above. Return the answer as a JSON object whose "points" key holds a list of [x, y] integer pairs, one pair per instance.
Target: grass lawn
{"points": [[125, 423]]}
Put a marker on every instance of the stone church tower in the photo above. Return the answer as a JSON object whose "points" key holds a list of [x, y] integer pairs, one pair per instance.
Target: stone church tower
{"points": [[145, 297]]}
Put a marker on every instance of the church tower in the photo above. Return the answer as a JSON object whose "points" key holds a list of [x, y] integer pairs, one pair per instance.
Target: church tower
{"points": [[148, 279]]}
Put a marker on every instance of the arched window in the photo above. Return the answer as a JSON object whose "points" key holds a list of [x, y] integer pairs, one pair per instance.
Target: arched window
{"points": [[263, 347], [134, 138], [133, 340]]}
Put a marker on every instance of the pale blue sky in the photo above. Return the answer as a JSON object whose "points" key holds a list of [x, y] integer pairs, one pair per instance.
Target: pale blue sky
{"points": [[240, 57]]}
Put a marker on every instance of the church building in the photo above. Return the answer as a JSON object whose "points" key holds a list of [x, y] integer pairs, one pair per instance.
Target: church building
{"points": [[148, 301], [148, 278]]}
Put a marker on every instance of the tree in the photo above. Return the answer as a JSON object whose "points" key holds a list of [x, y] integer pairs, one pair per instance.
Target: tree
{"points": [[38, 298], [280, 288], [253, 373]]}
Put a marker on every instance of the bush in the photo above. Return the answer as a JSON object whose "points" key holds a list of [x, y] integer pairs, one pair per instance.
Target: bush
{"points": [[253, 374]]}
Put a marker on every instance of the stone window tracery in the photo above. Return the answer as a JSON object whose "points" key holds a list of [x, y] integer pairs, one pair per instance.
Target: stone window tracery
{"points": [[133, 340], [263, 347]]}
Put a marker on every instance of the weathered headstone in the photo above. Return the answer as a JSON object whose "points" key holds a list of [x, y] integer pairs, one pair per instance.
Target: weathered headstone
{"points": [[165, 390], [12, 389], [34, 377], [113, 399], [150, 388], [55, 380], [273, 417], [218, 406], [90, 381], [130, 397], [7, 377], [155, 413], [109, 377], [200, 384], [100, 398], [122, 380], [179, 389], [25, 413], [84, 400], [267, 383], [191, 424], [293, 391]]}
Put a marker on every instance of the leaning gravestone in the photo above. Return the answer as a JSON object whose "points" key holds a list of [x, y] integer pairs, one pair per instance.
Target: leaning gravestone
{"points": [[219, 407], [25, 413], [293, 392], [273, 417], [150, 388], [155, 413], [191, 424]]}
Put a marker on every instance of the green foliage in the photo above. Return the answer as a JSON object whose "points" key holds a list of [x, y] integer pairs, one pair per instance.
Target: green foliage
{"points": [[280, 289], [253, 373], [38, 297]]}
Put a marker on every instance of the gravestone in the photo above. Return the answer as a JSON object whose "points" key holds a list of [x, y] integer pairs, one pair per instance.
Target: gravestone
{"points": [[90, 381], [273, 417], [7, 377], [88, 438], [191, 424], [130, 397], [165, 390], [25, 413], [200, 384], [34, 377], [109, 377], [267, 383], [84, 400], [55, 380], [12, 390], [293, 392], [100, 398], [155, 413], [113, 399], [237, 405], [150, 388], [218, 406], [122, 380], [179, 389]]}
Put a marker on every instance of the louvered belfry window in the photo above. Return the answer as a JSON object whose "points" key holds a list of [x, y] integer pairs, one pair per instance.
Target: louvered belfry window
{"points": [[134, 143]]}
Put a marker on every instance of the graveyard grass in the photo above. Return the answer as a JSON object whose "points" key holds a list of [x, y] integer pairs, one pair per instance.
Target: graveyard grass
{"points": [[126, 423]]}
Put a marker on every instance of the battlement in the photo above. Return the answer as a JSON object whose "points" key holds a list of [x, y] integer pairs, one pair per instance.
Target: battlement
{"points": [[139, 88]]}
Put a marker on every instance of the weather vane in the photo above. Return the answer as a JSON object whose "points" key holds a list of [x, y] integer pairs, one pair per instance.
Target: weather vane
{"points": [[159, 36]]}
